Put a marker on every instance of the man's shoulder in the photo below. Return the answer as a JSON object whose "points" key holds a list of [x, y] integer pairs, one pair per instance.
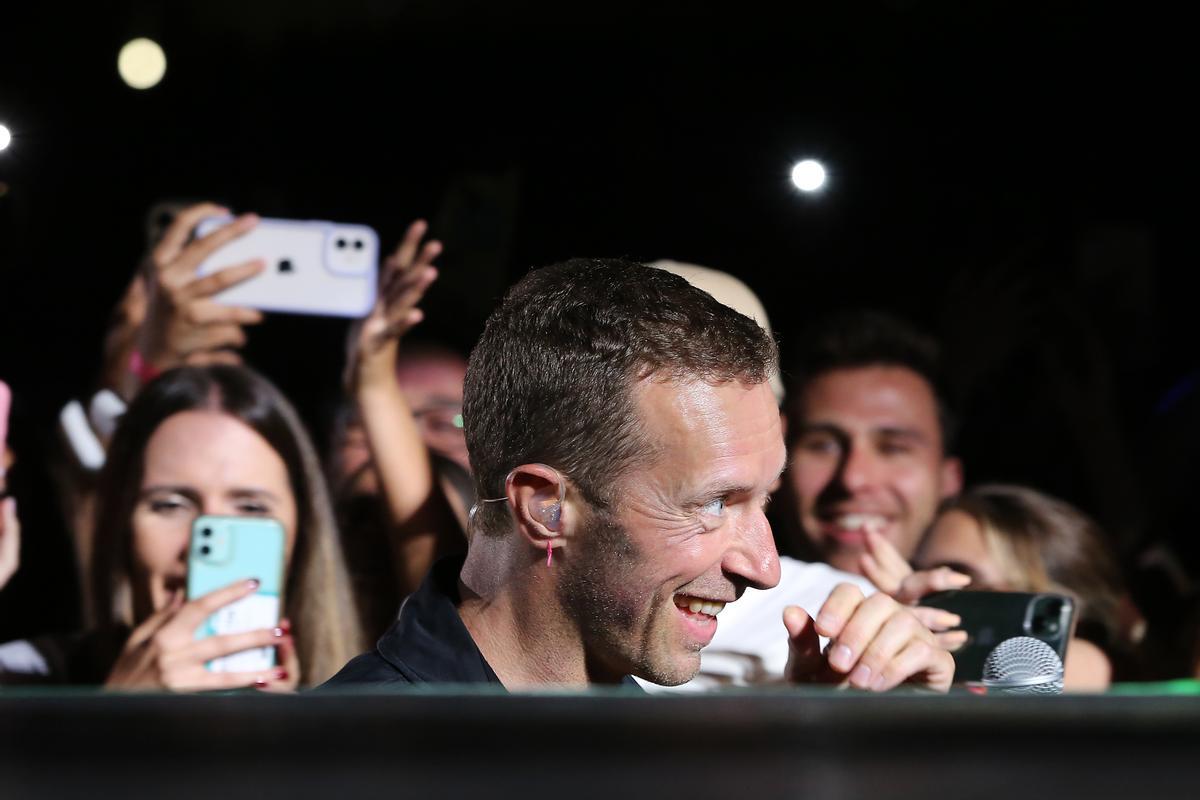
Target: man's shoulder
{"points": [[368, 668]]}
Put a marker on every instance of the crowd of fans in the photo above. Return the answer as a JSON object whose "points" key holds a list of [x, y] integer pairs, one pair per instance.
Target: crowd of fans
{"points": [[874, 493]]}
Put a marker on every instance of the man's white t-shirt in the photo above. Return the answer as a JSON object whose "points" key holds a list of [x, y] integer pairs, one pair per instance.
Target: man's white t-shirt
{"points": [[751, 644]]}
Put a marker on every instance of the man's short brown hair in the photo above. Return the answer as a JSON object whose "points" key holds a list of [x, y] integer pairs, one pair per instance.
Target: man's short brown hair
{"points": [[550, 379]]}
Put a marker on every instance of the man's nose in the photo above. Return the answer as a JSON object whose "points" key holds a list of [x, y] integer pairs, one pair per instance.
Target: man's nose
{"points": [[860, 468], [752, 556]]}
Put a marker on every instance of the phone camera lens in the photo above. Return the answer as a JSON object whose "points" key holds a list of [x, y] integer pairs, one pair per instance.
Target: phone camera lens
{"points": [[358, 244], [205, 550], [341, 244], [206, 532]]}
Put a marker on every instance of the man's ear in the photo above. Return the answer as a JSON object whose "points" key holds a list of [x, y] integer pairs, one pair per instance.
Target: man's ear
{"points": [[952, 476], [537, 493]]}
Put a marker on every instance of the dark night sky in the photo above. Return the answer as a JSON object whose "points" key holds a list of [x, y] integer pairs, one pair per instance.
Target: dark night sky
{"points": [[998, 174]]}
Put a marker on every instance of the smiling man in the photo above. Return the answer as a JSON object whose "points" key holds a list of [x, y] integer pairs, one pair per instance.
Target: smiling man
{"points": [[624, 441], [869, 439]]}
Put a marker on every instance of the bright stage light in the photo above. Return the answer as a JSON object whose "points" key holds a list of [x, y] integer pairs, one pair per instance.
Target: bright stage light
{"points": [[808, 175], [5, 138], [142, 63]]}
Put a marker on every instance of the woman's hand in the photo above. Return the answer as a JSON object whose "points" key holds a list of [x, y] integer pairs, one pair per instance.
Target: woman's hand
{"points": [[183, 324], [407, 274], [163, 653]]}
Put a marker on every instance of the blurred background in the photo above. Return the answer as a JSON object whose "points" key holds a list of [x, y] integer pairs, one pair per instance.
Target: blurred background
{"points": [[1016, 180]]}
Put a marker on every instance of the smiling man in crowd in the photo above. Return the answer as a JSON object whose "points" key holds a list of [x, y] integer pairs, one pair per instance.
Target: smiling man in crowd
{"points": [[869, 441], [624, 442]]}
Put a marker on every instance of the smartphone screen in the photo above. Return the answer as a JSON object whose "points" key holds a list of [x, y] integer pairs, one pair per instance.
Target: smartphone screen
{"points": [[224, 550]]}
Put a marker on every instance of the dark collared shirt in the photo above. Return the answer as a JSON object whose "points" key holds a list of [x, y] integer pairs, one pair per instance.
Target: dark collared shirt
{"points": [[428, 643]]}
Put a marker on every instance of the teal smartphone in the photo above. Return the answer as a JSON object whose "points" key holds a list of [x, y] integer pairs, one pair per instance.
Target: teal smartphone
{"points": [[223, 550]]}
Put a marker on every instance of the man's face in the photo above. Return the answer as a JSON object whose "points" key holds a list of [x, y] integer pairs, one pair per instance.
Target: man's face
{"points": [[686, 534], [868, 452]]}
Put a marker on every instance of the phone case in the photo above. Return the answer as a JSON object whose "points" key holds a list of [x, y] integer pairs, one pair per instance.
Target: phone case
{"points": [[228, 549], [991, 617], [314, 267]]}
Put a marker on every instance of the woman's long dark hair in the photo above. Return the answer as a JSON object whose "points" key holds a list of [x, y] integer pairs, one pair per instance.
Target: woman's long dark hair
{"points": [[317, 593]]}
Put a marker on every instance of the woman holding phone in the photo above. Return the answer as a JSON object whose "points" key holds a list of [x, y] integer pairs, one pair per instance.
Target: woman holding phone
{"points": [[218, 441]]}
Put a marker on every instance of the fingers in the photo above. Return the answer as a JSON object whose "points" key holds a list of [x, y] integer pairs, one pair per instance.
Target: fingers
{"points": [[176, 235], [936, 619], [406, 251], [862, 625], [192, 614], [197, 251], [207, 312], [290, 663], [884, 580], [223, 279], [156, 620], [919, 584], [201, 679], [880, 642], [951, 641], [931, 663], [838, 608], [882, 563], [805, 661], [212, 647], [402, 302], [870, 636]]}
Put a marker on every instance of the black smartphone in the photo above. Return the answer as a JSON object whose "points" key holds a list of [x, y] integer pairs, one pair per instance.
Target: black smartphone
{"points": [[991, 617]]}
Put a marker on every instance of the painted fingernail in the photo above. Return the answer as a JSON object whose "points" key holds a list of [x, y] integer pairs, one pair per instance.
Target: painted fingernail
{"points": [[260, 682], [286, 624], [861, 677], [841, 657], [280, 674], [278, 633], [252, 584]]}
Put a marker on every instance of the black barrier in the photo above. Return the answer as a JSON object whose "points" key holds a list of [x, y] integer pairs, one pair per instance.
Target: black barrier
{"points": [[570, 747]]}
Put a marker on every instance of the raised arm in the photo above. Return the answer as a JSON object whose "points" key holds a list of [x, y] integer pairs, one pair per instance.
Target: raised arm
{"points": [[416, 509]]}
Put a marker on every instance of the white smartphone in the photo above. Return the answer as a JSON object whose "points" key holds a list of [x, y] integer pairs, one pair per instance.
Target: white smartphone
{"points": [[313, 267]]}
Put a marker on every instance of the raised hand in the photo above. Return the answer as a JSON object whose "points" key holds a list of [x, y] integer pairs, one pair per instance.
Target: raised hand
{"points": [[407, 274], [875, 644], [163, 653], [184, 325]]}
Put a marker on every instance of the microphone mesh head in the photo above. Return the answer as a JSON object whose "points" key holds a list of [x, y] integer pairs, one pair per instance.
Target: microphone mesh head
{"points": [[1023, 665]]}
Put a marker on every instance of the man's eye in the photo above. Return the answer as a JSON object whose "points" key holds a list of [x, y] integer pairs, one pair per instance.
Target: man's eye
{"points": [[819, 444], [714, 508]]}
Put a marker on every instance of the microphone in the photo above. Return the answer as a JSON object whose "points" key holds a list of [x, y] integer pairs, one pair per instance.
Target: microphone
{"points": [[1023, 665]]}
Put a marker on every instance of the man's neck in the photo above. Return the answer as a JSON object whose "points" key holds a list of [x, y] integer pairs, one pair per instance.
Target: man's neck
{"points": [[517, 622]]}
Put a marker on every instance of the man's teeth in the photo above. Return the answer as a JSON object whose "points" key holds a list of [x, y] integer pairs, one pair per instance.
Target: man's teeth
{"points": [[712, 608], [854, 522]]}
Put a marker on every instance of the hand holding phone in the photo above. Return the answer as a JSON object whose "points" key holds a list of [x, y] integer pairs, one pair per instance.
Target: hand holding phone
{"points": [[311, 267], [222, 551], [163, 652], [183, 323]]}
